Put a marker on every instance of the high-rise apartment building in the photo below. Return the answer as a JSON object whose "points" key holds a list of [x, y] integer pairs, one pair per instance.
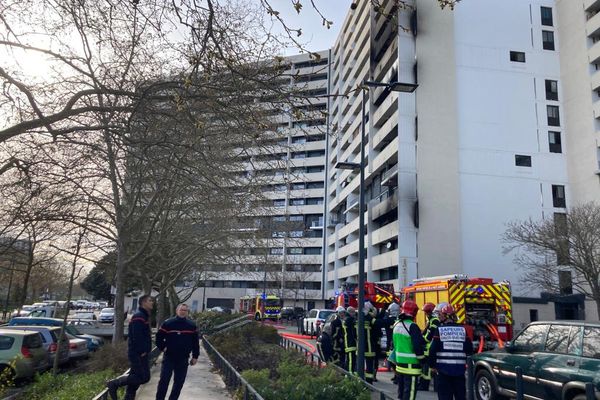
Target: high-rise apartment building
{"points": [[280, 246], [578, 27], [480, 143]]}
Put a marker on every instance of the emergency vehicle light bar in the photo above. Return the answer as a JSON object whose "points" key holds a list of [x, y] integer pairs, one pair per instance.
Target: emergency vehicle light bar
{"points": [[442, 277]]}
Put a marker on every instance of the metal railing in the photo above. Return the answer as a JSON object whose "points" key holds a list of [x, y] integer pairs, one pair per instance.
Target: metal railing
{"points": [[103, 395], [231, 377], [315, 360]]}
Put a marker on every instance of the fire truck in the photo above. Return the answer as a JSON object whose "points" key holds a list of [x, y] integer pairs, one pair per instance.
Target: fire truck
{"points": [[483, 306], [379, 294], [261, 307]]}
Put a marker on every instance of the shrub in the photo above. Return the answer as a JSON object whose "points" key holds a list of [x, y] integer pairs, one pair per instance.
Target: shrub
{"points": [[295, 380], [207, 320], [66, 386], [110, 356]]}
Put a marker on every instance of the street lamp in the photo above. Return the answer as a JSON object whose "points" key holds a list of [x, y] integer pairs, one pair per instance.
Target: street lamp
{"points": [[392, 87]]}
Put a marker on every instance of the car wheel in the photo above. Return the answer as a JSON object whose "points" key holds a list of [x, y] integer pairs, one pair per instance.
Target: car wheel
{"points": [[485, 389]]}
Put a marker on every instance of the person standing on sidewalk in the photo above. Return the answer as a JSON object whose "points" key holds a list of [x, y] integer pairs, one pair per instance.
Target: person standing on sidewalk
{"points": [[349, 330], [177, 338], [139, 341], [337, 336], [448, 356], [432, 322]]}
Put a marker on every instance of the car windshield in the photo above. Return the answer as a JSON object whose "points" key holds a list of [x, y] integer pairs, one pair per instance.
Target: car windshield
{"points": [[107, 310], [72, 330], [325, 314]]}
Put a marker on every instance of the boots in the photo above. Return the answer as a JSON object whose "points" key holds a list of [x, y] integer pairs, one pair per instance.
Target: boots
{"points": [[114, 384]]}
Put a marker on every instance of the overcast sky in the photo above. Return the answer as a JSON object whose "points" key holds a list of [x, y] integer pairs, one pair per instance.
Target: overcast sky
{"points": [[314, 34]]}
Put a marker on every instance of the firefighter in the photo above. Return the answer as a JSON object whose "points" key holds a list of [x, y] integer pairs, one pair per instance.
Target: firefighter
{"points": [[337, 336], [408, 351], [392, 313], [431, 324], [370, 340], [349, 330], [448, 356]]}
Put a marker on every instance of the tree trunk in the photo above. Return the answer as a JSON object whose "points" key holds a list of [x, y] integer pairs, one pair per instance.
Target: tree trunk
{"points": [[61, 337], [119, 293], [28, 269], [161, 306], [173, 299]]}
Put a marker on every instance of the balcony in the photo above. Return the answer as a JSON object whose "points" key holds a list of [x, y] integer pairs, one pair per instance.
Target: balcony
{"points": [[594, 53], [390, 177], [317, 224], [591, 5], [592, 26]]}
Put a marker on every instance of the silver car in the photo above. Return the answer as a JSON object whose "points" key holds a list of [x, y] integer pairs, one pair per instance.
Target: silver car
{"points": [[50, 335], [78, 348]]}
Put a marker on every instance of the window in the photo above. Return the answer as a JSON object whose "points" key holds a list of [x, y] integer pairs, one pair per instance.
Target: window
{"points": [[298, 186], [296, 202], [554, 142], [562, 255], [299, 139], [278, 218], [294, 250], [553, 115], [531, 339], [276, 251], [314, 200], [575, 341], [297, 218], [533, 315], [296, 234], [565, 282], [546, 13], [312, 250], [317, 168], [551, 90], [315, 153], [6, 342], [314, 185], [558, 339], [548, 40], [278, 234], [558, 196], [522, 161], [591, 342], [517, 56], [279, 203]]}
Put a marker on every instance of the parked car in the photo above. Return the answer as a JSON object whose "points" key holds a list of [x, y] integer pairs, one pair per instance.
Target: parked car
{"points": [[50, 335], [78, 348], [93, 342], [219, 309], [557, 359], [291, 313], [25, 310], [107, 315], [314, 320], [22, 354], [89, 315]]}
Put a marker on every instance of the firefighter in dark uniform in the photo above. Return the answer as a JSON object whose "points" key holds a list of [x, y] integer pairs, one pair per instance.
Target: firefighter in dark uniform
{"points": [[337, 336], [349, 331], [408, 351], [139, 342], [177, 338], [432, 323], [448, 356], [370, 312]]}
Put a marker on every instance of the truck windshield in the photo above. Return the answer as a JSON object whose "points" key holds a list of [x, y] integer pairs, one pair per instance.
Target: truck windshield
{"points": [[272, 303]]}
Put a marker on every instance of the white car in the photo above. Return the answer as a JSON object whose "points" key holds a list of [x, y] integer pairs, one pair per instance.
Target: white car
{"points": [[107, 315], [314, 320]]}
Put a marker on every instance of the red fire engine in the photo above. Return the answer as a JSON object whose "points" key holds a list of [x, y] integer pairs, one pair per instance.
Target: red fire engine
{"points": [[484, 307], [379, 294], [261, 307]]}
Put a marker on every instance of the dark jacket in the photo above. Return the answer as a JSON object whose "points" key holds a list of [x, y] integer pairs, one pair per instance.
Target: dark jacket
{"points": [[449, 350], [349, 330], [178, 337], [139, 338], [337, 334]]}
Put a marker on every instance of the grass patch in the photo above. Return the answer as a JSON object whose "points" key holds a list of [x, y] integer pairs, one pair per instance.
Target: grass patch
{"points": [[67, 386]]}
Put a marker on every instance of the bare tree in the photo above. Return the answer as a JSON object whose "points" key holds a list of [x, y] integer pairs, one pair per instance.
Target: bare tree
{"points": [[567, 242]]}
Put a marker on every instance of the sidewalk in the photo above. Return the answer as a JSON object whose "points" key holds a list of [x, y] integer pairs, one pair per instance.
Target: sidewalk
{"points": [[202, 383]]}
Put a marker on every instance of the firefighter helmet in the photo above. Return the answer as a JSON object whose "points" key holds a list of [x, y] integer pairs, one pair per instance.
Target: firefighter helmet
{"points": [[394, 310], [351, 311], [410, 308], [369, 308], [438, 309], [447, 310], [340, 310], [428, 308]]}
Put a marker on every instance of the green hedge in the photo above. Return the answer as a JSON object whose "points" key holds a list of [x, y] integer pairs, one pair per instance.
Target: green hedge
{"points": [[207, 320], [67, 386], [279, 374]]}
